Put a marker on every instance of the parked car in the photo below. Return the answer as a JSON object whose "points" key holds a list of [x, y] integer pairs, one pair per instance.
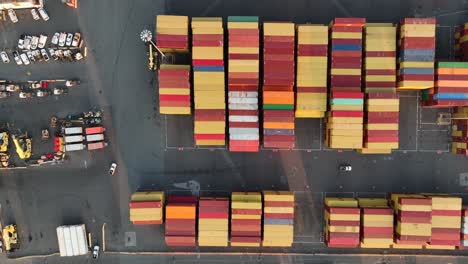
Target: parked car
{"points": [[12, 88], [96, 251], [55, 38], [78, 56], [21, 42], [34, 42], [35, 14], [43, 13], [27, 42], [37, 55], [112, 168], [52, 54], [5, 57], [42, 41], [42, 92], [71, 83], [345, 168], [67, 54], [24, 94], [17, 58], [12, 15], [4, 94], [62, 38], [69, 40], [76, 39], [59, 54], [30, 56], [60, 90], [25, 59], [45, 55]]}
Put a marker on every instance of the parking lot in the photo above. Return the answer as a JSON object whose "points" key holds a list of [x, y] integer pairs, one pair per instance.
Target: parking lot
{"points": [[157, 152]]}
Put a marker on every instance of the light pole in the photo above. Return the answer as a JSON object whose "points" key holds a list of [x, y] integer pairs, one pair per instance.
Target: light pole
{"points": [[146, 37]]}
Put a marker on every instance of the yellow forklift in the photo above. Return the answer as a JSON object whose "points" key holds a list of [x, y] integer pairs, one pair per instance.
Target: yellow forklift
{"points": [[23, 145], [10, 237], [4, 156]]}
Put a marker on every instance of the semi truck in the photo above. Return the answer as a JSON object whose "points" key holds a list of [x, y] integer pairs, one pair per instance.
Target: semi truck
{"points": [[73, 130], [74, 147], [95, 137], [74, 139], [95, 130], [97, 145]]}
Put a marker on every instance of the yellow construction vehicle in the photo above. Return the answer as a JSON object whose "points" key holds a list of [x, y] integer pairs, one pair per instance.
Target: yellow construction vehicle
{"points": [[3, 141], [23, 145], [10, 237], [4, 160]]}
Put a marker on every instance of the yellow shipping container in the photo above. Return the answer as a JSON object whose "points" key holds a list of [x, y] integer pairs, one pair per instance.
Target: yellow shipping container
{"points": [[243, 68], [209, 127], [172, 31], [207, 22], [210, 142], [147, 196], [341, 202], [278, 228], [346, 35], [312, 38], [346, 132], [279, 210], [178, 91], [374, 151], [278, 196], [380, 66], [381, 78], [446, 221], [412, 229], [309, 114], [174, 110], [373, 202], [389, 102], [383, 108], [377, 145], [278, 29], [371, 218], [417, 64], [346, 107], [238, 244], [246, 196], [381, 126], [207, 53], [345, 217], [344, 229], [346, 120], [244, 50]]}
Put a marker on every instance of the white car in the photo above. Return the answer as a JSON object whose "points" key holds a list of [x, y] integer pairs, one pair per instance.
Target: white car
{"points": [[21, 42], [42, 41], [78, 56], [12, 15], [112, 168], [95, 252], [27, 42], [345, 168], [4, 56], [43, 13], [69, 39], [34, 14], [45, 55], [52, 54], [62, 38], [76, 39], [55, 38], [17, 58], [34, 42], [31, 56], [25, 59]]}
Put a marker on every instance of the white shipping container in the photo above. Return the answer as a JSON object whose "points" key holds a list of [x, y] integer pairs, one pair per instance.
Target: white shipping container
{"points": [[74, 147], [72, 240], [95, 137], [243, 94], [243, 106], [73, 130], [243, 130], [243, 100], [74, 139], [238, 118], [243, 137]]}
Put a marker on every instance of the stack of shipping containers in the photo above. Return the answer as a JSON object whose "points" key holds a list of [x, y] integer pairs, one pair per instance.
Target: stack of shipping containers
{"points": [[312, 71], [246, 219], [414, 214], [278, 83], [460, 131], [451, 86], [382, 101], [208, 80], [146, 208], [376, 223], [464, 228], [180, 221], [174, 80], [417, 53], [213, 222], [345, 118], [243, 77], [278, 218], [342, 222], [446, 222]]}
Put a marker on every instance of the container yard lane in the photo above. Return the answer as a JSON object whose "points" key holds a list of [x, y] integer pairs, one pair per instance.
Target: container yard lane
{"points": [[160, 152]]}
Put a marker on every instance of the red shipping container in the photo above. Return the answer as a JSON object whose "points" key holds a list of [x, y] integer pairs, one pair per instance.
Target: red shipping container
{"points": [[312, 52], [181, 222], [235, 56], [245, 233], [146, 204], [165, 37], [207, 43], [369, 54], [446, 212], [347, 95], [245, 221], [210, 112], [346, 53], [277, 144], [344, 241], [345, 28], [345, 89], [344, 65], [416, 77], [174, 103], [380, 230], [243, 31], [415, 214], [278, 119], [278, 47], [244, 124], [345, 79], [174, 72], [182, 199], [179, 233], [247, 211], [381, 133], [382, 95], [209, 136], [278, 113], [172, 82], [207, 62], [347, 41], [166, 97], [158, 222], [244, 43], [245, 239], [211, 37], [382, 139], [421, 43], [344, 223], [172, 44], [450, 77], [347, 113], [243, 112], [180, 240], [347, 60], [243, 88], [382, 114], [278, 39], [348, 21], [452, 242]]}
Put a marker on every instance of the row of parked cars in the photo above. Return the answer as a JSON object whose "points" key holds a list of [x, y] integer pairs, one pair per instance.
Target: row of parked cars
{"points": [[35, 89], [59, 39], [36, 14]]}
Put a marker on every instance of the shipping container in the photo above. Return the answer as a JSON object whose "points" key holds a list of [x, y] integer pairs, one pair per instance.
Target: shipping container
{"points": [[72, 240], [74, 139], [97, 145], [73, 130], [95, 130], [94, 137], [74, 147]]}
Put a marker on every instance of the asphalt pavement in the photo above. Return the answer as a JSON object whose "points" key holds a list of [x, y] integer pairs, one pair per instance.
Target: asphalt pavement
{"points": [[157, 152]]}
